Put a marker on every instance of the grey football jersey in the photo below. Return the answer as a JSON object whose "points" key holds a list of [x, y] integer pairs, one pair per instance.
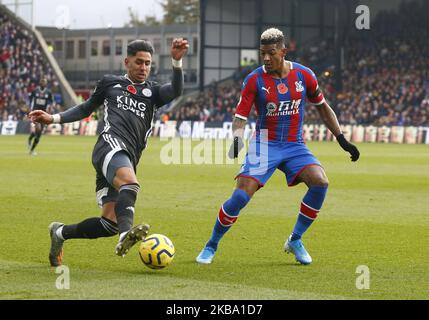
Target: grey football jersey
{"points": [[128, 108]]}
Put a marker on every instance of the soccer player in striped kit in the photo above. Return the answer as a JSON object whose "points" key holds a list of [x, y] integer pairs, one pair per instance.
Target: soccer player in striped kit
{"points": [[278, 90]]}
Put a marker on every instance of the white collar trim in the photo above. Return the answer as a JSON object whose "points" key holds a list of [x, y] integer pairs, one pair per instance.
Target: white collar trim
{"points": [[126, 77], [290, 64]]}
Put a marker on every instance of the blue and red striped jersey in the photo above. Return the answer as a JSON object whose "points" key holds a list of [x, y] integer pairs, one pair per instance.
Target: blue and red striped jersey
{"points": [[279, 103]]}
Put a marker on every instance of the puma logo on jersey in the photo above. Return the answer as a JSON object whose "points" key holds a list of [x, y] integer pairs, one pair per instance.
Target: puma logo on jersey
{"points": [[131, 209], [267, 90], [117, 86]]}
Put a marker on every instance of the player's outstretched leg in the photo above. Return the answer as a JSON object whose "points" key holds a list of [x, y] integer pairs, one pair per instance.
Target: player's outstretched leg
{"points": [[310, 208], [124, 209], [227, 216], [92, 228]]}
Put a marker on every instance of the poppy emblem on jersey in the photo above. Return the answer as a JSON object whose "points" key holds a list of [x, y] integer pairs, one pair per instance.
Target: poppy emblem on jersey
{"points": [[271, 107], [282, 88], [299, 87], [147, 92], [132, 89]]}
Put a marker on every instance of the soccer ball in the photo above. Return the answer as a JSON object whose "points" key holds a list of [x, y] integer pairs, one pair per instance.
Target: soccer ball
{"points": [[157, 251]]}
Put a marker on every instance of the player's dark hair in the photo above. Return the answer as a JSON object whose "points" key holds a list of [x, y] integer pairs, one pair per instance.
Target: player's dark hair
{"points": [[278, 41], [139, 45]]}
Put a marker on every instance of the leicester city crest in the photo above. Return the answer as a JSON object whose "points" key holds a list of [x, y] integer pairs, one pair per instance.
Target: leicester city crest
{"points": [[147, 92]]}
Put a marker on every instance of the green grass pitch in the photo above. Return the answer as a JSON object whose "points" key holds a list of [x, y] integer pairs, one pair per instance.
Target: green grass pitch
{"points": [[376, 214]]}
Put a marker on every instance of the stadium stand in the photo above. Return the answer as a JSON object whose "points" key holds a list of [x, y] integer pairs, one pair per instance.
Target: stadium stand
{"points": [[22, 64], [385, 79], [215, 104]]}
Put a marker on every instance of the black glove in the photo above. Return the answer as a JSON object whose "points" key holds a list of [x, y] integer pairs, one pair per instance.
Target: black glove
{"points": [[350, 148], [235, 148]]}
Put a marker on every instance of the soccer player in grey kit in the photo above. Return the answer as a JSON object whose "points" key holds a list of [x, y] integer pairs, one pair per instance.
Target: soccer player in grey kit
{"points": [[130, 102]]}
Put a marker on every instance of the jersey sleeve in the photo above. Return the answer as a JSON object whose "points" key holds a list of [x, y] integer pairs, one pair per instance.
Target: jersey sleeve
{"points": [[84, 109], [247, 98], [168, 92], [314, 94], [97, 97], [156, 99]]}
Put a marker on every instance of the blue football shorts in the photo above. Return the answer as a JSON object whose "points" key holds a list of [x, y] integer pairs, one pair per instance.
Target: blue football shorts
{"points": [[264, 157]]}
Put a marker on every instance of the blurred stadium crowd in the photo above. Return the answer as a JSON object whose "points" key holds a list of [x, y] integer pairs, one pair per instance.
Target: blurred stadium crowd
{"points": [[22, 64], [385, 78]]}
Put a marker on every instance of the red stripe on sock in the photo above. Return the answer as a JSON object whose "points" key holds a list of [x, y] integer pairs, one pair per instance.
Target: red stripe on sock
{"points": [[309, 212], [225, 219]]}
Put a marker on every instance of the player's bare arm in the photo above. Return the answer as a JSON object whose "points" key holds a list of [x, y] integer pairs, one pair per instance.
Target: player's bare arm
{"points": [[238, 133], [329, 118]]}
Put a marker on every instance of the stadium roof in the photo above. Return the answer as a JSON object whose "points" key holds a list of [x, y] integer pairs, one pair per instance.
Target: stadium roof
{"points": [[175, 28]]}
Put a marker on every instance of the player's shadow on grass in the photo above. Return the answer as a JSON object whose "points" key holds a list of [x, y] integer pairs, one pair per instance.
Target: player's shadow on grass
{"points": [[149, 272], [169, 271], [243, 264], [280, 264]]}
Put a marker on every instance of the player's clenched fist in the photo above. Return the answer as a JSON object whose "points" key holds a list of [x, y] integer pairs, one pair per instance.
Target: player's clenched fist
{"points": [[40, 117], [179, 47], [350, 148]]}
